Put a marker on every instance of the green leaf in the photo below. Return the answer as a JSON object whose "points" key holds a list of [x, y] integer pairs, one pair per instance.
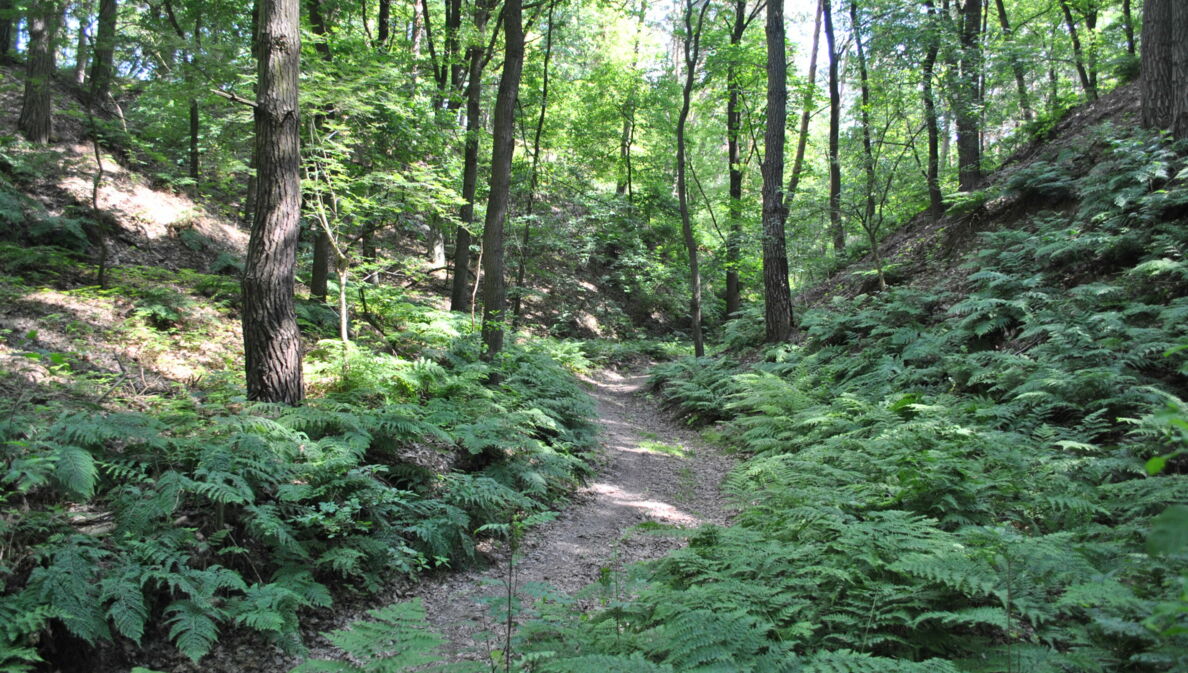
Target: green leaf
{"points": [[76, 471], [1156, 465], [1169, 532]]}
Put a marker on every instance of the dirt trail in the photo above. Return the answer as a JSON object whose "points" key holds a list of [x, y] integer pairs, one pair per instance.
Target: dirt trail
{"points": [[653, 470], [650, 469]]}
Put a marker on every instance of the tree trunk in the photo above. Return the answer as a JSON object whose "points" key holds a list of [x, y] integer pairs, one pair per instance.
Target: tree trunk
{"points": [[807, 110], [82, 13], [627, 138], [320, 274], [734, 159], [836, 230], [936, 205], [777, 297], [968, 99], [383, 23], [459, 294], [1128, 26], [272, 343], [103, 69], [869, 224], [7, 23], [36, 120], [1016, 64], [503, 145], [1087, 82], [1165, 66], [692, 48], [518, 303]]}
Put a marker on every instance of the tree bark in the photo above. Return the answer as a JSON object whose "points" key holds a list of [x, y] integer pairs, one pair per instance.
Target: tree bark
{"points": [[777, 303], [103, 67], [518, 302], [272, 343], [476, 58], [692, 48], [36, 121], [936, 205], [734, 159], [836, 230], [383, 24], [503, 145], [968, 99], [1164, 84]]}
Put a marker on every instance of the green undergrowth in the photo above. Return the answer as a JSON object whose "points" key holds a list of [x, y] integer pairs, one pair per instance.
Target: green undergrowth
{"points": [[986, 477], [179, 515]]}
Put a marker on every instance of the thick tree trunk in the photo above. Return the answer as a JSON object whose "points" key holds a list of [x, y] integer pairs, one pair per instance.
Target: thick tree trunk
{"points": [[836, 230], [518, 302], [476, 60], [1016, 63], [936, 205], [1087, 82], [734, 160], [777, 297], [7, 24], [503, 145], [968, 98], [36, 121], [1165, 66], [103, 69], [272, 343], [320, 274], [692, 48]]}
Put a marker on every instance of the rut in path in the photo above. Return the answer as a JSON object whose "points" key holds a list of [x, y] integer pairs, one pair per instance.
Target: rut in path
{"points": [[652, 470]]}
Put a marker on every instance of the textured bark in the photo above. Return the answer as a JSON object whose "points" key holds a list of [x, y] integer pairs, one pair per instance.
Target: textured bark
{"points": [[1088, 83], [103, 69], [777, 298], [836, 230], [967, 102], [7, 23], [36, 121], [1165, 66], [936, 205], [320, 274], [734, 160], [1004, 22], [272, 343], [476, 60], [692, 49], [503, 145], [518, 303]]}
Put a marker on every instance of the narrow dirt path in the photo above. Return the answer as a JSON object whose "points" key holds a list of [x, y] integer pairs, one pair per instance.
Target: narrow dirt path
{"points": [[652, 470]]}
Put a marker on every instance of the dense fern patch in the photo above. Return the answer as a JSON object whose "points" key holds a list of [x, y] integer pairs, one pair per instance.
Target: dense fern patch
{"points": [[988, 477], [206, 511]]}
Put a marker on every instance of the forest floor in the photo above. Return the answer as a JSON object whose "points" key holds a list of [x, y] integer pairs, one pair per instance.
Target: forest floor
{"points": [[651, 470]]}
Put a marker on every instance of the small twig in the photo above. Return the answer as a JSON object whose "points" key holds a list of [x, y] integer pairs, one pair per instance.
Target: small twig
{"points": [[233, 97], [123, 376]]}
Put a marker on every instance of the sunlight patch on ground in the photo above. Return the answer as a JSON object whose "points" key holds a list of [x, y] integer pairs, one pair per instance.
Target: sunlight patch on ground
{"points": [[654, 509]]}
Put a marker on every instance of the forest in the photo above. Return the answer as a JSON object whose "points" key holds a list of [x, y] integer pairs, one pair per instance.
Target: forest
{"points": [[624, 336]]}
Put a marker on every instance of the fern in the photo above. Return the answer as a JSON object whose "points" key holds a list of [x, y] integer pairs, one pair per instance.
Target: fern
{"points": [[395, 639]]}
